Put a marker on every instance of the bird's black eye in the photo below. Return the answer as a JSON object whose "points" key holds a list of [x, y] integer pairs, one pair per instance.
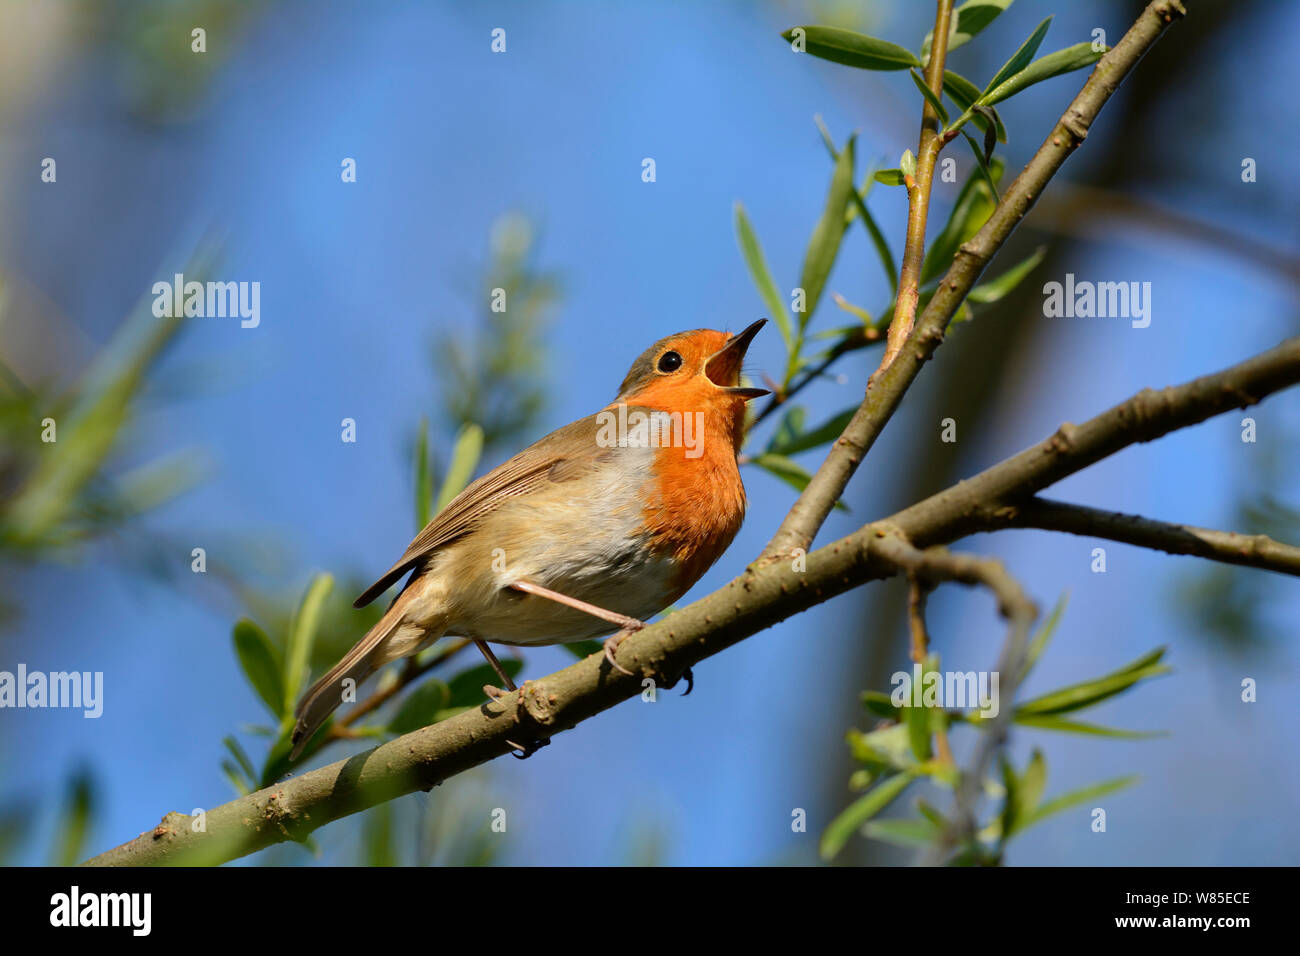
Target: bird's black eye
{"points": [[670, 362]]}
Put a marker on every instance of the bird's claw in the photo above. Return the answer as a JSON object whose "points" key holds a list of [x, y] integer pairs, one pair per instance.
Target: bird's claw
{"points": [[611, 646]]}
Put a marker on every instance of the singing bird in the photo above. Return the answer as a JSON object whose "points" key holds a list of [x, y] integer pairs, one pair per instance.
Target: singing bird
{"points": [[594, 528]]}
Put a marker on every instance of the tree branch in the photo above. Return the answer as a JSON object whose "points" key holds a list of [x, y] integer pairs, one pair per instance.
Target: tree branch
{"points": [[886, 392], [766, 593], [1227, 547]]}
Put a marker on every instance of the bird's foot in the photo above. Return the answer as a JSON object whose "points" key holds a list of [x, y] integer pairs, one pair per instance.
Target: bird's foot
{"points": [[495, 693], [631, 626]]}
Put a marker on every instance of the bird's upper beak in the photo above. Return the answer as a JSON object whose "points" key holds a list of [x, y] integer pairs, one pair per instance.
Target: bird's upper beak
{"points": [[723, 366]]}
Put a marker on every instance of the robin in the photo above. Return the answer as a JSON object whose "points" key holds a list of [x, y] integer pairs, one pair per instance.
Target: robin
{"points": [[595, 528]]}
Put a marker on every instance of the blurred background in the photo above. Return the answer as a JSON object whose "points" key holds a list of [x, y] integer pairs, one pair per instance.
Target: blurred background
{"points": [[523, 170]]}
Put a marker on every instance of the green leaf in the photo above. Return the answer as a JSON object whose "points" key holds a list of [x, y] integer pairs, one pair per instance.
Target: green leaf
{"points": [[241, 758], [982, 164], [906, 833], [1079, 696], [464, 459], [824, 245], [420, 707], [967, 21], [965, 94], [792, 443], [860, 811], [793, 474], [302, 634], [995, 289], [75, 819], [889, 177], [261, 664], [1038, 643], [1076, 797], [859, 198], [1063, 725], [1054, 64], [881, 704], [466, 688], [236, 779], [867, 320], [930, 98], [762, 277], [972, 209], [1021, 58], [853, 49], [423, 478]]}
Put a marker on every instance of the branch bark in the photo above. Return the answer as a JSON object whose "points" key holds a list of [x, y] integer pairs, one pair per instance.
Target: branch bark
{"points": [[1227, 547], [766, 593], [886, 392]]}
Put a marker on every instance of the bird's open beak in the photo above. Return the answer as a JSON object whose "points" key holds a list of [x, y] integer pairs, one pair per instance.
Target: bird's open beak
{"points": [[723, 366]]}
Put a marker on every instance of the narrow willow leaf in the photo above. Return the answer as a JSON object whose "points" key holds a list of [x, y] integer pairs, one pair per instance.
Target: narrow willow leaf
{"points": [[302, 634], [851, 309], [464, 459], [466, 688], [420, 707], [761, 275], [1076, 797], [880, 704], [1033, 781], [824, 245], [973, 207], [1079, 696], [77, 815], [1065, 726], [853, 49], [237, 781], [967, 21], [828, 431], [793, 474], [790, 427], [1021, 58], [995, 289], [241, 758], [260, 662], [906, 833], [964, 95], [859, 209], [930, 98], [1038, 643], [423, 477], [981, 163], [1054, 64], [860, 811], [889, 177]]}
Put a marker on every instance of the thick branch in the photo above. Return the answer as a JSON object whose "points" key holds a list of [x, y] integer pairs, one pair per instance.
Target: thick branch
{"points": [[886, 392], [768, 592], [1227, 547]]}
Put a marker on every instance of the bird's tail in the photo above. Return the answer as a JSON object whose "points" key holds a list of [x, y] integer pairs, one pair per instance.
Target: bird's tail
{"points": [[368, 655]]}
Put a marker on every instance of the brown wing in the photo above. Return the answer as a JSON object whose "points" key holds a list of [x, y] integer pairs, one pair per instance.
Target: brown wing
{"points": [[562, 455]]}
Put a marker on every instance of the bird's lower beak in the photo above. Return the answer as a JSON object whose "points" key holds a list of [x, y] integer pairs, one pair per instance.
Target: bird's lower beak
{"points": [[723, 367]]}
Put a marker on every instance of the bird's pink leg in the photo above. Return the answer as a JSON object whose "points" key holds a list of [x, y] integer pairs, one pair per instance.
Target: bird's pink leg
{"points": [[628, 624]]}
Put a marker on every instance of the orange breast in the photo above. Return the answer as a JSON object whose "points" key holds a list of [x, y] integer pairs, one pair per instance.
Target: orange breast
{"points": [[697, 501]]}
